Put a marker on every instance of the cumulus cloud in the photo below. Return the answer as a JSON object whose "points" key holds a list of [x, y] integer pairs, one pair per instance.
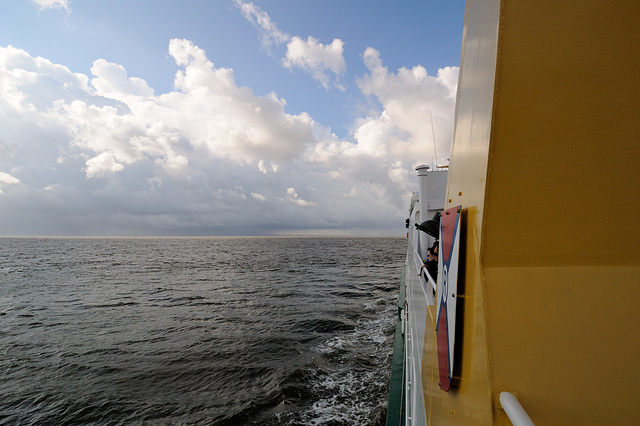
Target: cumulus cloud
{"points": [[112, 81], [258, 196], [226, 119], [324, 62], [105, 154], [411, 100], [294, 198], [52, 4], [262, 166], [7, 178], [102, 165], [389, 143], [30, 84]]}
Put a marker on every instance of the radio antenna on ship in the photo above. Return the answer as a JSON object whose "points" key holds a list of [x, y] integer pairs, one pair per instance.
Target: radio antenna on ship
{"points": [[433, 134], [435, 150]]}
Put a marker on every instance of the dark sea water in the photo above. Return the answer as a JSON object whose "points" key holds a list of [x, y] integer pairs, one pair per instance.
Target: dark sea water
{"points": [[266, 331]]}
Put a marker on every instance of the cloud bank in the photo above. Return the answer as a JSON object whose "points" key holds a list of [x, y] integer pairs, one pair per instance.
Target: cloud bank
{"points": [[105, 155]]}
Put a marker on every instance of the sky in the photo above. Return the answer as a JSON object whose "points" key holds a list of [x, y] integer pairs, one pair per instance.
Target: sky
{"points": [[225, 117]]}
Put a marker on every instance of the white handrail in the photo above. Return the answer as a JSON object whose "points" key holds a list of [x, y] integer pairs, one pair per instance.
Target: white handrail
{"points": [[431, 281], [422, 266], [514, 410]]}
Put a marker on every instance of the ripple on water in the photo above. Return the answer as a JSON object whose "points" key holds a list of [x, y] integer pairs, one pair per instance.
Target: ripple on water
{"points": [[197, 331]]}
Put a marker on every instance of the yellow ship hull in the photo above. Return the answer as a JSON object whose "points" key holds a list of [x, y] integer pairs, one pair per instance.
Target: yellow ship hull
{"points": [[544, 164]]}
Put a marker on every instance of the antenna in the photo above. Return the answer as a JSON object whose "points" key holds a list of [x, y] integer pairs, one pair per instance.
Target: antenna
{"points": [[433, 134], [435, 150]]}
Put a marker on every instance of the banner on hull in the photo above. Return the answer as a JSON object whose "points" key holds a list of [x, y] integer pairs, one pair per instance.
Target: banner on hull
{"points": [[447, 287]]}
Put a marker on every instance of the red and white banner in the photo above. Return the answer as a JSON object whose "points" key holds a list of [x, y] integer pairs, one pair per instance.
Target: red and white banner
{"points": [[446, 292]]}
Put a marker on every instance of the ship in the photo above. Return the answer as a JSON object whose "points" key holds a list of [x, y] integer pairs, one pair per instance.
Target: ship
{"points": [[533, 316]]}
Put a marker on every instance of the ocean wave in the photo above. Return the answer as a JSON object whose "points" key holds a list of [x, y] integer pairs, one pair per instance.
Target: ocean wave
{"points": [[196, 331]]}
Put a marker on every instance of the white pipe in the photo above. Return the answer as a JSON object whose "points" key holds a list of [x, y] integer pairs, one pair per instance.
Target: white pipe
{"points": [[423, 199], [514, 410]]}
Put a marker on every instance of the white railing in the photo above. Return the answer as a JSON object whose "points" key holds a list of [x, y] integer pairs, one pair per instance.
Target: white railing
{"points": [[414, 403], [514, 410], [426, 282], [409, 362], [416, 300], [414, 337]]}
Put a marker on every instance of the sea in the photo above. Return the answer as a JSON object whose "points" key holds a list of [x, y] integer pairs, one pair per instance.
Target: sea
{"points": [[197, 331]]}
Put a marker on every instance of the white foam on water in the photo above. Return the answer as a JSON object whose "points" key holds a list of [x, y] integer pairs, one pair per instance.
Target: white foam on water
{"points": [[351, 392], [343, 400]]}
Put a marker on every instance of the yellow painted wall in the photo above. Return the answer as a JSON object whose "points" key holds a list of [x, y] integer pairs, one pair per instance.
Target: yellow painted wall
{"points": [[566, 135], [565, 340], [561, 238], [545, 163]]}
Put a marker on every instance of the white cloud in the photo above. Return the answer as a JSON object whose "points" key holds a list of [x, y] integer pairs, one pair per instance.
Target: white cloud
{"points": [[228, 120], [107, 155], [7, 178], [29, 84], [410, 99], [52, 4], [391, 142], [269, 32], [102, 165], [325, 62], [112, 81], [262, 166], [294, 198], [258, 196]]}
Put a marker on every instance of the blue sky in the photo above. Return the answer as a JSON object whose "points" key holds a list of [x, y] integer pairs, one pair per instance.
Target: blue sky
{"points": [[221, 117]]}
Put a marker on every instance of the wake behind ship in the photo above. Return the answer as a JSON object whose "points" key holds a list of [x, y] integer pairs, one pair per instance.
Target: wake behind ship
{"points": [[541, 324]]}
